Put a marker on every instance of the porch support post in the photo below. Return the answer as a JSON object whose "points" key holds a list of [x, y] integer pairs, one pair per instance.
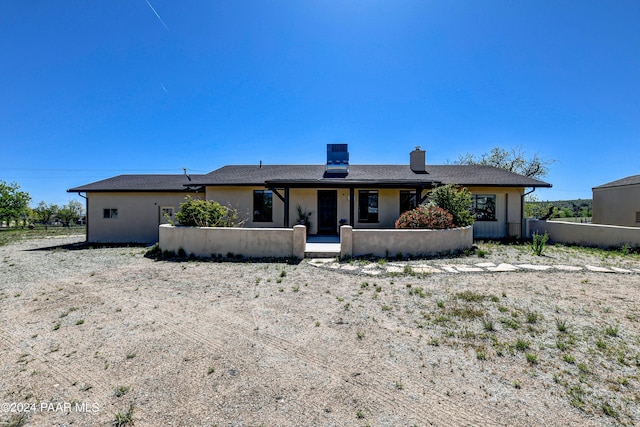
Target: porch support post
{"points": [[275, 191], [419, 197], [352, 215], [285, 200], [286, 207]]}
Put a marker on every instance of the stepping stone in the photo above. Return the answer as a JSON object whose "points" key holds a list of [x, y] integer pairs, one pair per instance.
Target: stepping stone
{"points": [[370, 266], [426, 269], [371, 272], [394, 269], [485, 264], [322, 261], [467, 269], [349, 267], [536, 267], [335, 266], [567, 267], [621, 270], [449, 268], [598, 269], [637, 270], [503, 268]]}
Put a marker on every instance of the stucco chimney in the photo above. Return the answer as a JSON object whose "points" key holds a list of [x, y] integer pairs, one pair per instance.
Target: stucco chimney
{"points": [[418, 159]]}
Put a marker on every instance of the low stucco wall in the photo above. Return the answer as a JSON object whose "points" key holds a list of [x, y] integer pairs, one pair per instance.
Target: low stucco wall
{"points": [[248, 242], [604, 236], [389, 242]]}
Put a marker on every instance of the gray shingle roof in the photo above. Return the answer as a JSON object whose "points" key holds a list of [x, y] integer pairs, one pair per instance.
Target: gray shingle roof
{"points": [[138, 183], [314, 176], [390, 175], [630, 180]]}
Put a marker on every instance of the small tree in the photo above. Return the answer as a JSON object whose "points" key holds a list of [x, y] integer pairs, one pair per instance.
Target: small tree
{"points": [[454, 199], [207, 213]]}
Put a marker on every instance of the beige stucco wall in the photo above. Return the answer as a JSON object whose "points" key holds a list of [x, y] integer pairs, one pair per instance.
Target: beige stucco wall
{"points": [[508, 210], [508, 207], [604, 236], [241, 198], [616, 205], [385, 242], [138, 215], [220, 241]]}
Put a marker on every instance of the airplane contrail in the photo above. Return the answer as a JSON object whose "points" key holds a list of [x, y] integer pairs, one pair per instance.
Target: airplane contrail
{"points": [[156, 13]]}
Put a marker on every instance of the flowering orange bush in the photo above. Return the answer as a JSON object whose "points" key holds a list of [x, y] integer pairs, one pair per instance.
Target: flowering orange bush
{"points": [[426, 217]]}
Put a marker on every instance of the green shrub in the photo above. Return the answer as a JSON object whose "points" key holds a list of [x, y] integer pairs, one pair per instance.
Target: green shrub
{"points": [[454, 199], [539, 243], [426, 217], [207, 213]]}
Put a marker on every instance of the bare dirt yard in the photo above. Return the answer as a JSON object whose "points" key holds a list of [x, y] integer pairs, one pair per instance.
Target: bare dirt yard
{"points": [[107, 336]]}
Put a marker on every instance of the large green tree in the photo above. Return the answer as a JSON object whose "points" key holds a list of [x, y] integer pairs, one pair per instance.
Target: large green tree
{"points": [[14, 203], [514, 160], [45, 212]]}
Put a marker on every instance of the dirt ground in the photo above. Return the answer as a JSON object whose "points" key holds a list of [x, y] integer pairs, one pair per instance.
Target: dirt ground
{"points": [[101, 336]]}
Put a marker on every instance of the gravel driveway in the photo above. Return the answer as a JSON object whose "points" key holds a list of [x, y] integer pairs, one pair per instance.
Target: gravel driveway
{"points": [[93, 336]]}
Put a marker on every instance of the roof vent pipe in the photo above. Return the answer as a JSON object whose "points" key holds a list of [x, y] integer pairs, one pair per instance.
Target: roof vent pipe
{"points": [[418, 160]]}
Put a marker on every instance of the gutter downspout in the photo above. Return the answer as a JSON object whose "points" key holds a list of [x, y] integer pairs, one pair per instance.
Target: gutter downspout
{"points": [[522, 226], [86, 209]]}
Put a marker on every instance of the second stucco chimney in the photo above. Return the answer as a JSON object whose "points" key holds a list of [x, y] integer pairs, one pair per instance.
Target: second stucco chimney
{"points": [[418, 160]]}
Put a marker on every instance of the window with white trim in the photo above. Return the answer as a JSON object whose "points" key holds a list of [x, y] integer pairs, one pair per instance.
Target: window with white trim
{"points": [[166, 214]]}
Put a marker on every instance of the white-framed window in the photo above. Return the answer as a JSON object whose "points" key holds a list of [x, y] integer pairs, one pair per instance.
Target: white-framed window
{"points": [[110, 213], [166, 214]]}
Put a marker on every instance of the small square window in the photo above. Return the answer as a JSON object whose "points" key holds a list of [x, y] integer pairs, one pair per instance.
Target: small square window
{"points": [[166, 215], [110, 213]]}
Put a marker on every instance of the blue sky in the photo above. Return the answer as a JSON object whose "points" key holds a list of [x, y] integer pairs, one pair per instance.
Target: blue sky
{"points": [[91, 89]]}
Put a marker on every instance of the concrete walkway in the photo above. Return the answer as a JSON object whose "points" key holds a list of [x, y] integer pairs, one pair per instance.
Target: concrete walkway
{"points": [[380, 268], [322, 246]]}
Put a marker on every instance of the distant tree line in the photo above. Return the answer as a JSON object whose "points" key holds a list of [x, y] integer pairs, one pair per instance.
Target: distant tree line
{"points": [[16, 212], [581, 208]]}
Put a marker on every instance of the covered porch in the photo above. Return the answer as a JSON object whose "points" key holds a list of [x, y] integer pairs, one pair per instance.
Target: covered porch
{"points": [[359, 204]]}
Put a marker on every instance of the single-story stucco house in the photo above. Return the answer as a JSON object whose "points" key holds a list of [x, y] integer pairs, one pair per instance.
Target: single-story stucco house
{"points": [[617, 202], [129, 208]]}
